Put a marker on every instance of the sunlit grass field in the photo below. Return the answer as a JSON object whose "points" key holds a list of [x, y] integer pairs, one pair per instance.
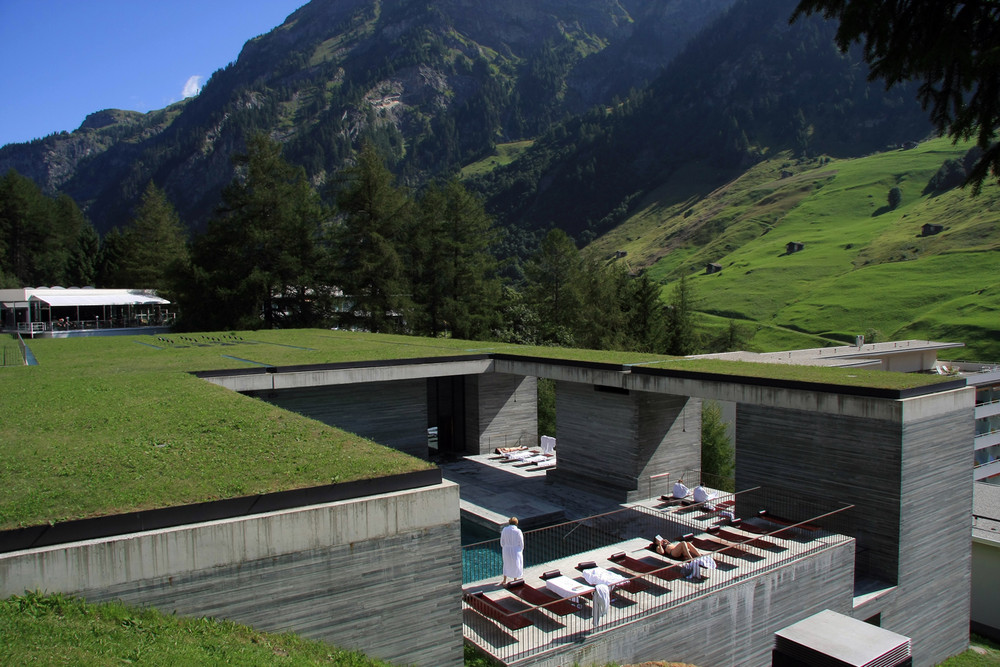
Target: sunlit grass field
{"points": [[59, 630], [119, 424], [864, 267]]}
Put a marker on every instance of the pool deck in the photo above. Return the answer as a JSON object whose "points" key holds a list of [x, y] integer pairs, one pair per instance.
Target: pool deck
{"points": [[492, 491]]}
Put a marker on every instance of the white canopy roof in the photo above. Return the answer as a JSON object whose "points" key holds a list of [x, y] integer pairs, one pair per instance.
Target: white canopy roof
{"points": [[82, 298]]}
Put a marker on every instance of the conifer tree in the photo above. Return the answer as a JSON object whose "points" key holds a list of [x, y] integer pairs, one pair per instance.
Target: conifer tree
{"points": [[254, 266], [554, 276], [682, 335], [153, 243], [454, 282], [369, 262]]}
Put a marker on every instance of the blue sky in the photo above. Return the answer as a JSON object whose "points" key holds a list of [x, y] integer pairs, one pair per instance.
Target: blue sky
{"points": [[64, 59]]}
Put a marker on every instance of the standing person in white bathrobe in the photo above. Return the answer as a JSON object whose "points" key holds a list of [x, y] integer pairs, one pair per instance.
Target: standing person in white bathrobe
{"points": [[512, 545]]}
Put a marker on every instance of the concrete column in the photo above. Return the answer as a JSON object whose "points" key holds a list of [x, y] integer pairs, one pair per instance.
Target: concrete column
{"points": [[501, 411], [611, 441], [904, 464]]}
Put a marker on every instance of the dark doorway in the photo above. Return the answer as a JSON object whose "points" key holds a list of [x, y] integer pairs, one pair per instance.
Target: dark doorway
{"points": [[446, 412]]}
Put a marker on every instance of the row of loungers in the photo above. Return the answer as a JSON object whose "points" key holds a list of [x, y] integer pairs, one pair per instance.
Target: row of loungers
{"points": [[657, 565]]}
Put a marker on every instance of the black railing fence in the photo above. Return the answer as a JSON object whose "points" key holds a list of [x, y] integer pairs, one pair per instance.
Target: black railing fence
{"points": [[513, 622]]}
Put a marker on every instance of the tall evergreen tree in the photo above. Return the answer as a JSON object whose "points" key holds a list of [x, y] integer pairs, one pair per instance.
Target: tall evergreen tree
{"points": [[254, 266], [155, 241], [554, 276], [454, 283], [646, 316], [82, 267], [36, 233], [369, 263], [109, 259], [682, 334]]}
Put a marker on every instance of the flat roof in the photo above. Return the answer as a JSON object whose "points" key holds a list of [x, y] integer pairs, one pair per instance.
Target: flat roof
{"points": [[841, 355], [986, 511]]}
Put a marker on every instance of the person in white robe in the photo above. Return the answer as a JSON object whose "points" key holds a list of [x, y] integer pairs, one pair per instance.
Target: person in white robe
{"points": [[602, 602], [680, 491], [512, 548], [702, 495]]}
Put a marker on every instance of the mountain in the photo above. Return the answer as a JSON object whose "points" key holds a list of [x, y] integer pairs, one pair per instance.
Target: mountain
{"points": [[864, 266], [434, 84], [750, 85]]}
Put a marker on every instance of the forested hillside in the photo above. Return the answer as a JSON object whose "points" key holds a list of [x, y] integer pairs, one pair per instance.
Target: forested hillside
{"points": [[433, 85], [750, 86]]}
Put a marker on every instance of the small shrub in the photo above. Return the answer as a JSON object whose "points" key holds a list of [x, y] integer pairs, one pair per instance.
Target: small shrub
{"points": [[895, 197]]}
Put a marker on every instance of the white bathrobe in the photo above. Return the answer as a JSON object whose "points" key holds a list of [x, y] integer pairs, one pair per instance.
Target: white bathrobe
{"points": [[602, 602], [512, 545]]}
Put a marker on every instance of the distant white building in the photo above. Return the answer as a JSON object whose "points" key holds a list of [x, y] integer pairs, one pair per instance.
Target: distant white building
{"points": [[62, 312]]}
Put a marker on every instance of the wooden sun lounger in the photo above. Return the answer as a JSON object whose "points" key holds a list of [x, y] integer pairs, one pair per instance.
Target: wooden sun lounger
{"points": [[494, 610], [541, 598], [721, 548], [767, 516], [630, 586], [754, 542], [660, 569]]}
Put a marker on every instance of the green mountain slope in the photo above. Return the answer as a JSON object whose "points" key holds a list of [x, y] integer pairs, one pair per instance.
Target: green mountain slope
{"points": [[433, 84], [863, 267]]}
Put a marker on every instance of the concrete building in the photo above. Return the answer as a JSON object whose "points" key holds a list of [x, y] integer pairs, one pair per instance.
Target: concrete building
{"points": [[321, 567], [986, 560], [60, 312]]}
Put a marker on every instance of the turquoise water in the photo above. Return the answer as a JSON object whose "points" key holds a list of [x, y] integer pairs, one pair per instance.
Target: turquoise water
{"points": [[481, 558]]}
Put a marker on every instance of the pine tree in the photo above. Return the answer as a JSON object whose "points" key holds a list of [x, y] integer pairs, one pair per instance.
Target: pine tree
{"points": [[153, 243], [254, 266], [369, 264], [554, 275], [454, 283], [682, 335]]}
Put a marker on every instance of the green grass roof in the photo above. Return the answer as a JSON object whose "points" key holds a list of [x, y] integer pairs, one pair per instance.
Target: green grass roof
{"points": [[119, 424]]}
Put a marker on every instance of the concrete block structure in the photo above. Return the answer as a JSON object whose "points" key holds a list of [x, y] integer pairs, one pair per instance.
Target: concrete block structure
{"points": [[347, 572], [899, 457]]}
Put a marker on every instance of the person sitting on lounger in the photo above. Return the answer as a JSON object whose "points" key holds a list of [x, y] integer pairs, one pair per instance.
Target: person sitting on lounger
{"points": [[680, 491], [678, 550], [702, 495]]}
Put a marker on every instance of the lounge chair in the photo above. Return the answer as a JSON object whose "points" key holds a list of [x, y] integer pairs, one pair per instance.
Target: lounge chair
{"points": [[722, 548], [541, 597], [494, 610], [661, 569], [767, 516], [625, 584], [753, 542]]}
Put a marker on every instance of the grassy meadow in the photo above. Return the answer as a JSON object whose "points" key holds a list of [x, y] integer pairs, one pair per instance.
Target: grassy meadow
{"points": [[864, 267], [118, 424], [60, 630]]}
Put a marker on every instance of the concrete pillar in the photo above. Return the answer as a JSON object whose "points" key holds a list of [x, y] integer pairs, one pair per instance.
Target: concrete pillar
{"points": [[612, 441], [904, 464], [501, 411]]}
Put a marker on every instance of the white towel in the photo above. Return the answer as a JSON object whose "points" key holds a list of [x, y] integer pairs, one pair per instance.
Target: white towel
{"points": [[548, 444], [692, 569], [602, 602]]}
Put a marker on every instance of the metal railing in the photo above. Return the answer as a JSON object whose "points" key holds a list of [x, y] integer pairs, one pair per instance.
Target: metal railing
{"points": [[512, 623]]}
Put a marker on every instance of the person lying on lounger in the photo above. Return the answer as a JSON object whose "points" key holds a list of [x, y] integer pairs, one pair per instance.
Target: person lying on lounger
{"points": [[678, 550]]}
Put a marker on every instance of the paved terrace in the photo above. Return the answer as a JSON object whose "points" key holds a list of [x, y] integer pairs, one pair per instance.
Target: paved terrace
{"points": [[512, 629]]}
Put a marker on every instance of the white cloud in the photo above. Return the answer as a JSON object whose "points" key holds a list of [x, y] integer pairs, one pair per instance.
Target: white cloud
{"points": [[192, 87]]}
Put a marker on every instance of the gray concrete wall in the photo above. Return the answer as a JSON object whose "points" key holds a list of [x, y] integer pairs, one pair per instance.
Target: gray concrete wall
{"points": [[610, 443], [501, 411], [935, 552], [842, 458], [733, 626], [353, 573], [986, 587], [392, 413], [908, 476]]}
